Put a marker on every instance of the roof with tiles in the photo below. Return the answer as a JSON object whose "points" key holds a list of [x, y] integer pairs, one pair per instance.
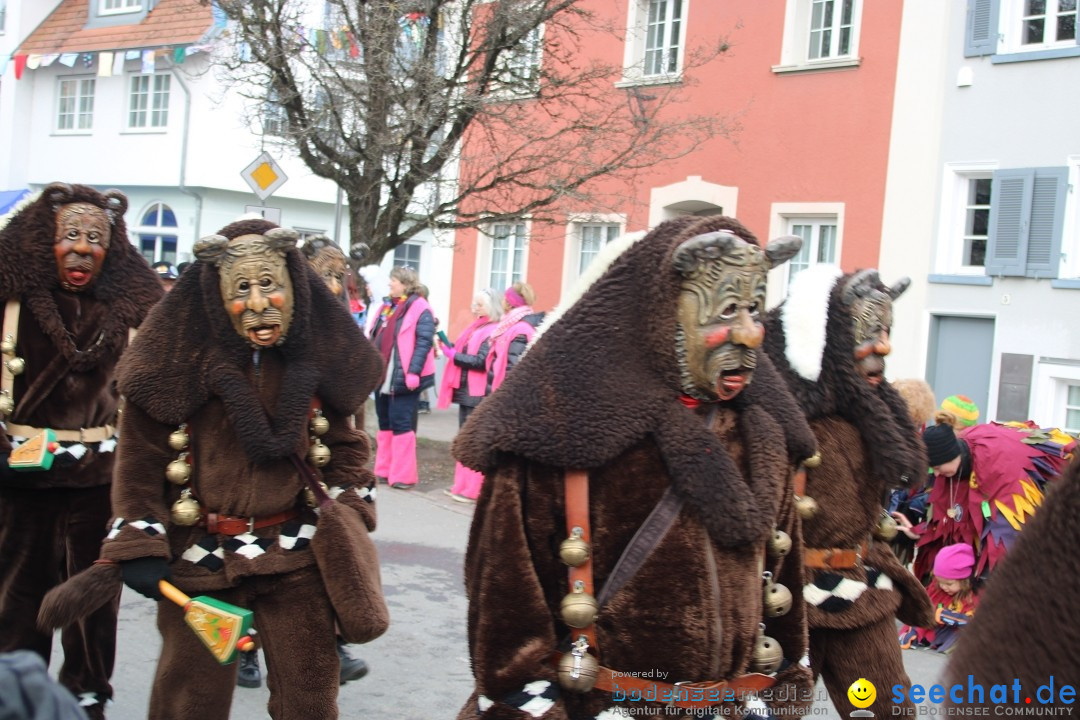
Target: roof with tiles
{"points": [[171, 22]]}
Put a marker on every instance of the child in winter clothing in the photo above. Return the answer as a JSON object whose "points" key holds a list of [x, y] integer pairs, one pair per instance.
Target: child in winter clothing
{"points": [[953, 596]]}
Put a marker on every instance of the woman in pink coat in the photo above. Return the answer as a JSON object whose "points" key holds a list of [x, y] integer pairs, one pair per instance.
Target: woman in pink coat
{"points": [[465, 380]]}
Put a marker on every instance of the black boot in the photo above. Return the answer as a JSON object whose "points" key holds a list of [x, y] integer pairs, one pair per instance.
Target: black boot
{"points": [[351, 668], [249, 675]]}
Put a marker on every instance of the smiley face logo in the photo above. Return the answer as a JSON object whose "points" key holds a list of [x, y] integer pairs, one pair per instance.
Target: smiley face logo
{"points": [[862, 693]]}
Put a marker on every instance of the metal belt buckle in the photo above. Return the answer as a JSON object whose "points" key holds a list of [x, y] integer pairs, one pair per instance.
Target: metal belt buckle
{"points": [[676, 694], [251, 524]]}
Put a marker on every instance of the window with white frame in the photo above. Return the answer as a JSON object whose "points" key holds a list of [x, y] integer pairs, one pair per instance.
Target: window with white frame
{"points": [[592, 237], [820, 32], [517, 70], [1043, 27], [1072, 408], [157, 234], [408, 255], [109, 7], [976, 222], [819, 243], [75, 104], [507, 258], [655, 39], [148, 101]]}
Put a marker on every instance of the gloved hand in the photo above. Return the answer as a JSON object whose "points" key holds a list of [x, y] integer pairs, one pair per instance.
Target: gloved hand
{"points": [[449, 351], [412, 381], [142, 575]]}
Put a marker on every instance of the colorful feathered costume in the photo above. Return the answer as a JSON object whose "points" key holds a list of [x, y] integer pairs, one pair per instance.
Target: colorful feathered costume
{"points": [[1003, 474], [828, 340]]}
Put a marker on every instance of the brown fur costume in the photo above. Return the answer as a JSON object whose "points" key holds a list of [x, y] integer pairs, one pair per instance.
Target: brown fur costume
{"points": [[52, 521], [600, 392], [245, 420], [1026, 627], [868, 445]]}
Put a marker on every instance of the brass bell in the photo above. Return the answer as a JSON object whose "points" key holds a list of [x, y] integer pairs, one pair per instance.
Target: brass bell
{"points": [[806, 506], [7, 405], [185, 511], [319, 424], [767, 656], [178, 438], [777, 598], [578, 669], [318, 454], [309, 496], [813, 461], [886, 528], [779, 543], [16, 365], [579, 608], [573, 550], [7, 345], [178, 471]]}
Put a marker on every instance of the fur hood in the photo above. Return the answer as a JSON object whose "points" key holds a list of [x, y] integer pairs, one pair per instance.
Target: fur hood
{"points": [[605, 377], [811, 335], [189, 351], [28, 269]]}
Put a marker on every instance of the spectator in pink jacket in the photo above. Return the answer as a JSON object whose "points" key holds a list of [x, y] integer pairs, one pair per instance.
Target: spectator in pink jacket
{"points": [[465, 380], [512, 334], [404, 334]]}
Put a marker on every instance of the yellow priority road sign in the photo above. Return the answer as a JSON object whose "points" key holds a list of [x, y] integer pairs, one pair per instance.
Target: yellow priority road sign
{"points": [[264, 176]]}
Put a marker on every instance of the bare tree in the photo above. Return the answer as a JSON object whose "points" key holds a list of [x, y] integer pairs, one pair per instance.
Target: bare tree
{"points": [[380, 96]]}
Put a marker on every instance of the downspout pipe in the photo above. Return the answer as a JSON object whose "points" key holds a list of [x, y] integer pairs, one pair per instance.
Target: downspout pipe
{"points": [[182, 187]]}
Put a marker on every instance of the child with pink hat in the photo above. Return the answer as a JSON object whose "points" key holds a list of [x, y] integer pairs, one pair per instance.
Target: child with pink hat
{"points": [[953, 596]]}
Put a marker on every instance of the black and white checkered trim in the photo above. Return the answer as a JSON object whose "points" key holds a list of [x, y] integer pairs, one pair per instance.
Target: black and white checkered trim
{"points": [[248, 545], [535, 699], [148, 525], [835, 593], [206, 554], [296, 535], [365, 493], [71, 452]]}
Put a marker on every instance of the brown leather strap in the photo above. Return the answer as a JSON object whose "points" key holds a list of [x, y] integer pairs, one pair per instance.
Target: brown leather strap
{"points": [[645, 540], [85, 435], [834, 558], [800, 481], [217, 523], [577, 516]]}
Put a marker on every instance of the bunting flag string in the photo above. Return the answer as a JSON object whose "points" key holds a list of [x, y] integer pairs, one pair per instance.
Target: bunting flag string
{"points": [[109, 62]]}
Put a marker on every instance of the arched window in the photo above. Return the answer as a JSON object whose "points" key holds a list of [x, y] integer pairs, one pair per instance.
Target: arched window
{"points": [[157, 233]]}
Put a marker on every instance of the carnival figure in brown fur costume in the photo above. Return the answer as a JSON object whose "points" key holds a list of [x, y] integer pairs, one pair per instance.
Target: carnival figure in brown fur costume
{"points": [[829, 340], [246, 367], [74, 288], [668, 424], [1027, 630]]}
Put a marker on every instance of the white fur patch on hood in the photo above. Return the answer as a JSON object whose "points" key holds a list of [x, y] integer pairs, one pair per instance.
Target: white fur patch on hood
{"points": [[603, 260], [804, 315], [17, 208]]}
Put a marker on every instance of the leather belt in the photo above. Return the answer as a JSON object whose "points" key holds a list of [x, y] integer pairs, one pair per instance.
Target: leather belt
{"points": [[238, 525], [834, 558], [84, 435], [577, 516], [683, 694]]}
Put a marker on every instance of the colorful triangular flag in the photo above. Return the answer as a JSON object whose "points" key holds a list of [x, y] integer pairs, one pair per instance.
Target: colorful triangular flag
{"points": [[104, 68], [69, 59], [20, 65]]}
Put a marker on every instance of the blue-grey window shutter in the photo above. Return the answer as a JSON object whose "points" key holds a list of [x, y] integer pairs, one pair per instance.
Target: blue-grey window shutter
{"points": [[1010, 204], [981, 31], [1047, 221]]}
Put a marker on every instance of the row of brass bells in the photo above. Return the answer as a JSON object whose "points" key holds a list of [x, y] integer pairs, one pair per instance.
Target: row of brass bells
{"points": [[768, 655], [15, 365], [185, 511], [318, 454], [776, 597], [805, 505], [574, 551], [886, 528], [578, 669], [309, 496], [319, 424], [779, 543], [178, 472], [579, 608]]}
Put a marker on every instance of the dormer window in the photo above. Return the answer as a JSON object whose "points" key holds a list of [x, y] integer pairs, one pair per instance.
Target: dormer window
{"points": [[115, 7]]}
